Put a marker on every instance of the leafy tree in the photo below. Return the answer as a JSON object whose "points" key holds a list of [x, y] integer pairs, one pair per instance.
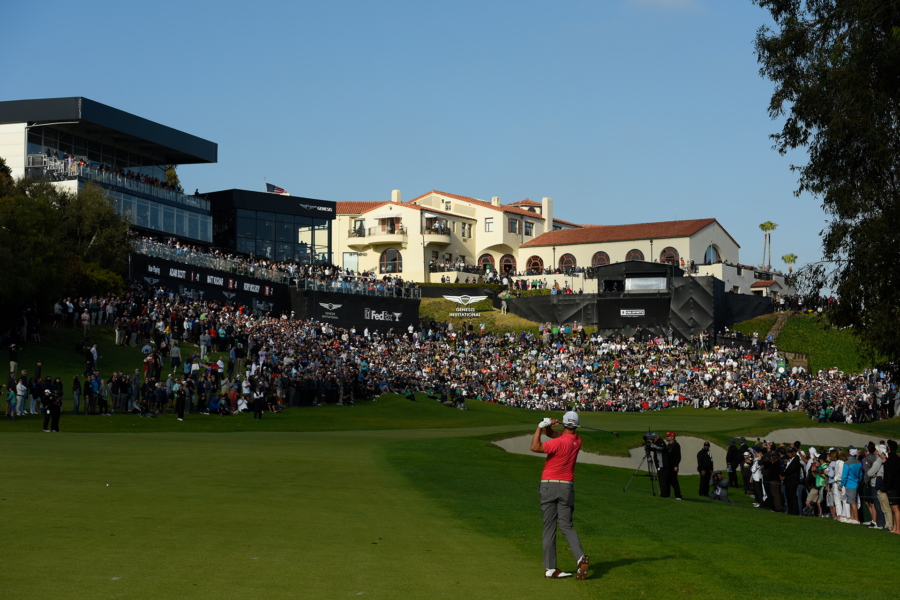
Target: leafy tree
{"points": [[6, 179], [172, 175], [767, 228], [54, 243], [789, 260], [836, 69]]}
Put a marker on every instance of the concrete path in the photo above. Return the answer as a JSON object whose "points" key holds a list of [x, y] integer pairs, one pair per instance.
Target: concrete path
{"points": [[689, 448], [812, 436]]}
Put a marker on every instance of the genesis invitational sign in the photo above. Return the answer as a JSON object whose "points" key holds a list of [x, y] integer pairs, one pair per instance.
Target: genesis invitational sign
{"points": [[465, 301]]}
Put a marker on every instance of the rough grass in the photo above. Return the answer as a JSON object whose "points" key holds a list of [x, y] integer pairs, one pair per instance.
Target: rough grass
{"points": [[826, 346], [761, 324]]}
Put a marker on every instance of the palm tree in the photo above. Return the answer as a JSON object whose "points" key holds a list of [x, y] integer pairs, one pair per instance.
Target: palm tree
{"points": [[767, 228], [789, 260]]}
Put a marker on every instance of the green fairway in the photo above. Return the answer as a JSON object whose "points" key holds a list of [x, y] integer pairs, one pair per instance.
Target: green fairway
{"points": [[386, 499]]}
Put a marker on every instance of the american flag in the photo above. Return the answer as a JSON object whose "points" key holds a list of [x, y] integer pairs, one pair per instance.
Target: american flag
{"points": [[274, 189]]}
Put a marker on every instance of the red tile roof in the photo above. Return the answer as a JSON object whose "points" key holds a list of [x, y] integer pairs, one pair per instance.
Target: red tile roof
{"points": [[765, 284], [425, 208], [502, 208], [621, 233], [526, 202], [555, 220], [354, 207]]}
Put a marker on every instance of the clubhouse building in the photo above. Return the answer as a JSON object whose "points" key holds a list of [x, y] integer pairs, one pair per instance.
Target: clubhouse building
{"points": [[77, 141]]}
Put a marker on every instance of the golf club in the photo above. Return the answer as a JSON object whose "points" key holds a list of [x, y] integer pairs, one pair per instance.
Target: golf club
{"points": [[595, 429]]}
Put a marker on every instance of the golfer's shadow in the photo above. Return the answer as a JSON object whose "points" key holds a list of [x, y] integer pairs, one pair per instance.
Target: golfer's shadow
{"points": [[601, 568]]}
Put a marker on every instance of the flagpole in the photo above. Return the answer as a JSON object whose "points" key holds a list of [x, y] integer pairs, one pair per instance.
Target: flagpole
{"points": [[265, 187]]}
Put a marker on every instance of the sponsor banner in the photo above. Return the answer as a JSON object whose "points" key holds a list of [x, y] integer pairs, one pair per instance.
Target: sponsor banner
{"points": [[464, 300], [200, 283], [632, 312], [357, 310]]}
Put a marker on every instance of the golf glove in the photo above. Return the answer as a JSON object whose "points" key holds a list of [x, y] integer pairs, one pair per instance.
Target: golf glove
{"points": [[544, 423]]}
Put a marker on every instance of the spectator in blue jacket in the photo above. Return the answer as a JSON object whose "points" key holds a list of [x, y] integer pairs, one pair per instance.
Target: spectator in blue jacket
{"points": [[850, 482]]}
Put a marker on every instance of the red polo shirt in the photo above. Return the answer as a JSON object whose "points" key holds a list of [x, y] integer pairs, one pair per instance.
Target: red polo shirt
{"points": [[561, 454]]}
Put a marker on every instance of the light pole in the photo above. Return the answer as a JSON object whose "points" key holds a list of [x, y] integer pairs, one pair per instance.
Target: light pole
{"points": [[554, 256], [651, 251]]}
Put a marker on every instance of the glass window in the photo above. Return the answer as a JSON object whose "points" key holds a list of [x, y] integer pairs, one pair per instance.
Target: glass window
{"points": [[265, 215], [634, 255], [193, 225], [155, 216], [265, 230], [246, 246], [284, 252], [391, 261], [265, 248], [711, 256], [305, 235], [599, 259], [284, 218], [246, 213], [567, 261], [321, 224], [529, 228], [142, 218], [508, 263], [246, 228], [180, 222], [284, 232], [205, 228], [168, 224], [669, 255], [489, 224], [535, 262], [301, 253], [303, 221], [513, 226], [50, 137]]}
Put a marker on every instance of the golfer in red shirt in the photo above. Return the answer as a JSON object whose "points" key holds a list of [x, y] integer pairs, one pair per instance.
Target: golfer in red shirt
{"points": [[558, 491]]}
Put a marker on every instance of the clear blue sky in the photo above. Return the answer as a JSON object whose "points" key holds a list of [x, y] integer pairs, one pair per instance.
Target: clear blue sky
{"points": [[623, 111]]}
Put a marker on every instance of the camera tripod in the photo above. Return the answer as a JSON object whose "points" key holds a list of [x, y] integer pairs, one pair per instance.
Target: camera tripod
{"points": [[652, 473]]}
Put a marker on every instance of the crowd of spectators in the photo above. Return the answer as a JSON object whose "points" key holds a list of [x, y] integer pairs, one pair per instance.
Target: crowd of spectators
{"points": [[74, 164], [323, 276]]}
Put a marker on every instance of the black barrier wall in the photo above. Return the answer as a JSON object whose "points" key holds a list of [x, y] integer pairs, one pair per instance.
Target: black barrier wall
{"points": [[622, 313], [560, 308], [356, 310], [201, 283]]}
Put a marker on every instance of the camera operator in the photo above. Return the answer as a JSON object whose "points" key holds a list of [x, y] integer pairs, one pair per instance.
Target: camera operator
{"points": [[705, 468], [656, 448], [670, 467], [720, 488]]}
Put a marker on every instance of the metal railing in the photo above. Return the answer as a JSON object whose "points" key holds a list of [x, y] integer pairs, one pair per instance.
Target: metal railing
{"points": [[228, 265], [360, 286], [59, 170]]}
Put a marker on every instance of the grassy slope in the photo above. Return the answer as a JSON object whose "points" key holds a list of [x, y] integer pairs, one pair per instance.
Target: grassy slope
{"points": [[827, 347], [640, 545], [761, 325]]}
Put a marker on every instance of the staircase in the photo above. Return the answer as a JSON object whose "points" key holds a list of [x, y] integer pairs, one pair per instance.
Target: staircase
{"points": [[794, 359]]}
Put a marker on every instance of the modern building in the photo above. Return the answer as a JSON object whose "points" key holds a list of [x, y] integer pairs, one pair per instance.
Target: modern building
{"points": [[276, 227], [121, 152]]}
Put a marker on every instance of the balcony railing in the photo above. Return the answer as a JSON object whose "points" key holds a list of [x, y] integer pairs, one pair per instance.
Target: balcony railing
{"points": [[58, 170], [359, 286], [376, 231]]}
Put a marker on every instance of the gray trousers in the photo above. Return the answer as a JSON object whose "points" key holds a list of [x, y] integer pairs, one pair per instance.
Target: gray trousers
{"points": [[558, 504]]}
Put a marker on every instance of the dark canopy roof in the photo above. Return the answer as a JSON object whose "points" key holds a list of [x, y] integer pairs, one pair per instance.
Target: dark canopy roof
{"points": [[108, 125]]}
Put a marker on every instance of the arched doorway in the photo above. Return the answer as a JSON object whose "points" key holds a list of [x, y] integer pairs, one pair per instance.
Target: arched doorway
{"points": [[391, 261], [669, 255], [711, 256], [485, 261], [508, 263]]}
